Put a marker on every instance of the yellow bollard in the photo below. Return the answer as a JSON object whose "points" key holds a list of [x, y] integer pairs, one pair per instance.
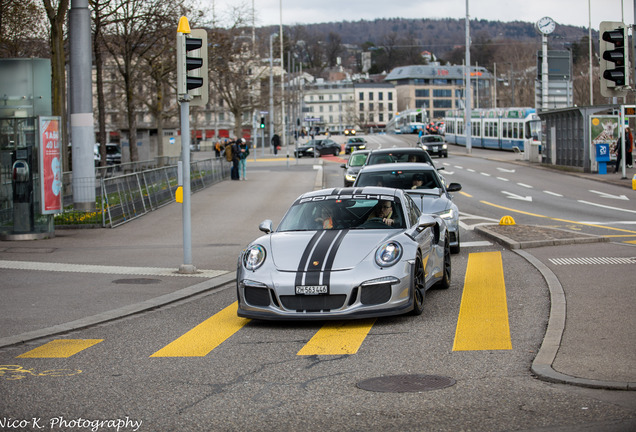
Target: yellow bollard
{"points": [[507, 220], [634, 182]]}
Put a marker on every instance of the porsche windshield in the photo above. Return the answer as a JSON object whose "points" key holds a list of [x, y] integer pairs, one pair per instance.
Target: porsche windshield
{"points": [[325, 212]]}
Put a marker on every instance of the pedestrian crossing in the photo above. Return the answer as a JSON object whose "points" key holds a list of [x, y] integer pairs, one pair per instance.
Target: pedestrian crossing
{"points": [[482, 324]]}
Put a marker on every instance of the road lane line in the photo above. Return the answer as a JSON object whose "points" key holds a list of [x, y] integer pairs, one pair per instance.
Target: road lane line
{"points": [[338, 338], [206, 336], [60, 348], [557, 219], [483, 313]]}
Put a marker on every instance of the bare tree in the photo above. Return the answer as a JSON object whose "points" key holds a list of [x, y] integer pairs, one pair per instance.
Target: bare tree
{"points": [[56, 13], [22, 29], [236, 72], [129, 37]]}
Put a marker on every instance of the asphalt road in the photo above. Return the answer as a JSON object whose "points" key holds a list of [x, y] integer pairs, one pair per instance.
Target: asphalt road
{"points": [[255, 378]]}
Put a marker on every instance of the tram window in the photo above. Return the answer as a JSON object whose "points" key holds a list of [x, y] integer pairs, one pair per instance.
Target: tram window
{"points": [[495, 131], [515, 130], [504, 129]]}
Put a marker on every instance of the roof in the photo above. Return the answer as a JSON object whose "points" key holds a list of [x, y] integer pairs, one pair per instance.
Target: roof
{"points": [[434, 72], [405, 166]]}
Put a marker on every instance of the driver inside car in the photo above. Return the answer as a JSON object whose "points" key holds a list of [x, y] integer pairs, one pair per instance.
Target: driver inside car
{"points": [[383, 210]]}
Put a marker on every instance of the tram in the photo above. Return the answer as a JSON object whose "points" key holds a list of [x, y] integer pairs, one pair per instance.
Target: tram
{"points": [[496, 128], [408, 121]]}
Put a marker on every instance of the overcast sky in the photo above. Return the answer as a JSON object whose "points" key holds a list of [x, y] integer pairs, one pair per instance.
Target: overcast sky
{"points": [[572, 12]]}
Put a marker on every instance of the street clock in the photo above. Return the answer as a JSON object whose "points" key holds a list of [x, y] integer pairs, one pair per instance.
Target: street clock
{"points": [[546, 25]]}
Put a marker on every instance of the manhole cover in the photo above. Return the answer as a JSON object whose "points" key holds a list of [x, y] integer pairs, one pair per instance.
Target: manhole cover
{"points": [[137, 281], [406, 383]]}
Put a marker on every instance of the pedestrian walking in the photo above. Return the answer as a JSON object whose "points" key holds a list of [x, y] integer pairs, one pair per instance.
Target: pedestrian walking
{"points": [[628, 149], [275, 143], [234, 174], [243, 153]]}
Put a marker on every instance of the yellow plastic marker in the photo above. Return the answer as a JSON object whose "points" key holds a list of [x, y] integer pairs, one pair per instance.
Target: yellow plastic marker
{"points": [[483, 313], [184, 25], [60, 348], [338, 338], [507, 220], [208, 335], [178, 194]]}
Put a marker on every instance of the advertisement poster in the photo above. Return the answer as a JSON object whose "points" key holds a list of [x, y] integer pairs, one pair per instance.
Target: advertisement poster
{"points": [[605, 130], [50, 165]]}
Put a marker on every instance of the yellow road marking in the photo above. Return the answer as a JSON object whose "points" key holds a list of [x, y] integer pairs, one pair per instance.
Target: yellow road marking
{"points": [[206, 336], [60, 348], [337, 338], [483, 313]]}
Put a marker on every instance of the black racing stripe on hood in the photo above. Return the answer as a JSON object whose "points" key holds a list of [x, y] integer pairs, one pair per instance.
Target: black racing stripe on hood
{"points": [[319, 257], [332, 257], [302, 265]]}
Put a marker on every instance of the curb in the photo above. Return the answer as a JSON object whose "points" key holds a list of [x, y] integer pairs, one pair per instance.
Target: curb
{"points": [[122, 312], [514, 244], [542, 364]]}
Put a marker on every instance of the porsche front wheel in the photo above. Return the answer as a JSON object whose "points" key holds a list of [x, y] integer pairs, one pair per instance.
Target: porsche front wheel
{"points": [[418, 286]]}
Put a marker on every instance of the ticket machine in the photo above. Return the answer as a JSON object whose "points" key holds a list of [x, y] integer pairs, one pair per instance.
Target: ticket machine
{"points": [[22, 181]]}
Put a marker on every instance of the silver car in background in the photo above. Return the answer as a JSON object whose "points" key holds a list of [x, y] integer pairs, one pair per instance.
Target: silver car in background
{"points": [[430, 193]]}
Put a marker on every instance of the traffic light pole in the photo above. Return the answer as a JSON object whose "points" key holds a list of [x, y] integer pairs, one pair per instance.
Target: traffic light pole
{"points": [[186, 212]]}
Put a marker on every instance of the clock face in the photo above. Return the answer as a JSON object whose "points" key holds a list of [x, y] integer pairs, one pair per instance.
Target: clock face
{"points": [[546, 25]]}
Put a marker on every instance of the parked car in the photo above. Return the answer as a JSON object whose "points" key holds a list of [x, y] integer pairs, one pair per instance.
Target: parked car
{"points": [[434, 145], [336, 255], [318, 147], [113, 154], [424, 184], [355, 143], [399, 154], [353, 165]]}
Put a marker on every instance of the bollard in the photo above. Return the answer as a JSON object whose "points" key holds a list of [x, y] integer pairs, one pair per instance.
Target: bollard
{"points": [[634, 182]]}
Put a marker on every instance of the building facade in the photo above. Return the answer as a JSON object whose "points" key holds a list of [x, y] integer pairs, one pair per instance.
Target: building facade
{"points": [[439, 88]]}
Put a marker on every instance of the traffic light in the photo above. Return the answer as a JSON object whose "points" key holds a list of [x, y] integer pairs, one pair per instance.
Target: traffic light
{"points": [[192, 63], [614, 59], [262, 122]]}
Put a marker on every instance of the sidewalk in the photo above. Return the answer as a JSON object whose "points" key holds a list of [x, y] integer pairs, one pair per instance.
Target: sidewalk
{"points": [[589, 341]]}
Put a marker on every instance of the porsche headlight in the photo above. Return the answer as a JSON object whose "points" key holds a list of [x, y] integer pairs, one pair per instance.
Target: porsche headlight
{"points": [[446, 214], [388, 254], [254, 257], [350, 177], [310, 149]]}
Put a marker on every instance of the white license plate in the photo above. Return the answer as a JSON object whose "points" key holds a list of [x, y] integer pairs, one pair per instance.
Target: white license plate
{"points": [[435, 148], [312, 289]]}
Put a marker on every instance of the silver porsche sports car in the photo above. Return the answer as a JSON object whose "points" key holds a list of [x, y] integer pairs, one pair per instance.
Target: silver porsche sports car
{"points": [[344, 253]]}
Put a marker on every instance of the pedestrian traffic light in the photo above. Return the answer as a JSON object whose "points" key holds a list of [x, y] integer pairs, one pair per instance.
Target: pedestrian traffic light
{"points": [[614, 59], [192, 63], [262, 122]]}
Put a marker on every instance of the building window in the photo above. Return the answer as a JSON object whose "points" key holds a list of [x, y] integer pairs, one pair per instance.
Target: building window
{"points": [[361, 106], [361, 118], [380, 117], [370, 106], [442, 93], [371, 118], [390, 107], [380, 96], [421, 93], [370, 96], [390, 96], [380, 107], [361, 96]]}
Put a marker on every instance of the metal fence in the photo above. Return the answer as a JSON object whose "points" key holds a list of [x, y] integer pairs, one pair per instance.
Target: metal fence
{"points": [[122, 198]]}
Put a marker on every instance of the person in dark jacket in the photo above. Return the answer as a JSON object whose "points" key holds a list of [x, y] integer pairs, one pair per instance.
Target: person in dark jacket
{"points": [[275, 143]]}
